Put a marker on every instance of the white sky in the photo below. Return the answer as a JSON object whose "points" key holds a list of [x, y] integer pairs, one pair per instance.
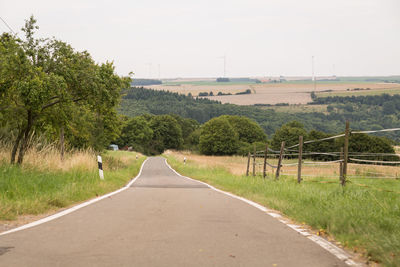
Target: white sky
{"points": [[187, 38]]}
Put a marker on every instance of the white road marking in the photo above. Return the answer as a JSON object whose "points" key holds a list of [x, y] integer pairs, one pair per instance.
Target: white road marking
{"points": [[75, 208], [333, 249]]}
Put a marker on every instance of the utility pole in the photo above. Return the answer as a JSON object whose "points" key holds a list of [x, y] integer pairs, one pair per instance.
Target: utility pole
{"points": [[149, 65], [313, 74]]}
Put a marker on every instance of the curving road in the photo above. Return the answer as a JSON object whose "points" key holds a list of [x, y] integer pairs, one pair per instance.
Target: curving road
{"points": [[163, 220]]}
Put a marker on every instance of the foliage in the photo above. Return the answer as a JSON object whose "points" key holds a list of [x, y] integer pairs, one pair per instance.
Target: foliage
{"points": [[218, 137], [223, 79], [369, 116], [142, 82], [289, 133], [34, 190], [248, 130], [44, 81], [136, 133], [167, 133], [247, 92]]}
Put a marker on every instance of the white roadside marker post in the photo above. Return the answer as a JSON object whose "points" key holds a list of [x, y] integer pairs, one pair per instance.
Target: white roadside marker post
{"points": [[184, 160], [101, 174]]}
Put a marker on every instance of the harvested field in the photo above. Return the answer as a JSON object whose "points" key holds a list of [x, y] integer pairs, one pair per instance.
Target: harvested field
{"points": [[273, 93]]}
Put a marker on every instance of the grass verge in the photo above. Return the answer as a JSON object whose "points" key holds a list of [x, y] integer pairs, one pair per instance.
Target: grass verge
{"points": [[361, 218], [29, 190]]}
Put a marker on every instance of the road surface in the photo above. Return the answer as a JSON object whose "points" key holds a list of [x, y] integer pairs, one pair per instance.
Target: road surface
{"points": [[164, 220]]}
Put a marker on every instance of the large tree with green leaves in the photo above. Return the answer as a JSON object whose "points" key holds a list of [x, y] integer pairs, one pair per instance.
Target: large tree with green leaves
{"points": [[218, 137], [289, 133], [43, 81], [167, 133], [248, 130]]}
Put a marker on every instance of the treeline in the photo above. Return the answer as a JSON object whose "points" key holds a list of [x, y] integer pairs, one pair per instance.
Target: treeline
{"points": [[375, 112], [143, 82], [225, 135], [228, 135], [48, 89], [373, 100], [138, 101]]}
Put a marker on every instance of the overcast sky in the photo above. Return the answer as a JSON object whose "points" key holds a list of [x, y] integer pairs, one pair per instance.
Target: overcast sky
{"points": [[185, 38]]}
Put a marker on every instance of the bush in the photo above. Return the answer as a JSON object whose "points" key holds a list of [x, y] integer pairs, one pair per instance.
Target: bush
{"points": [[218, 137]]}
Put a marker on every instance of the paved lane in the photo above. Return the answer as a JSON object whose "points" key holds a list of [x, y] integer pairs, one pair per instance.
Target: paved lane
{"points": [[163, 220]]}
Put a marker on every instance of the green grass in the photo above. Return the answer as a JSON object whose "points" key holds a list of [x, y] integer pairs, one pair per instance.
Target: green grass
{"points": [[364, 219], [24, 190]]}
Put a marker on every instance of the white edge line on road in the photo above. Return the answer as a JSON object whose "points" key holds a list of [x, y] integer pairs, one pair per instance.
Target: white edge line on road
{"points": [[333, 249], [74, 208]]}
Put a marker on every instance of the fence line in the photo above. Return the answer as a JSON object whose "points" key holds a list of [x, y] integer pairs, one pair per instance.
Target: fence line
{"points": [[375, 161], [345, 158], [318, 140], [377, 131]]}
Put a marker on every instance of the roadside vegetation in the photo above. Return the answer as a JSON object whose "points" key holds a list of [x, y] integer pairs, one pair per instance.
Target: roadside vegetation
{"points": [[361, 218], [49, 89], [45, 184]]}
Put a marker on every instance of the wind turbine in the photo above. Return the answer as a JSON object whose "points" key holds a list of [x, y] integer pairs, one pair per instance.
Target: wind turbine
{"points": [[224, 58]]}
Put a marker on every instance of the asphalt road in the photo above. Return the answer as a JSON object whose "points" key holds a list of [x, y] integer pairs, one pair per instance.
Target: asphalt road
{"points": [[163, 220]]}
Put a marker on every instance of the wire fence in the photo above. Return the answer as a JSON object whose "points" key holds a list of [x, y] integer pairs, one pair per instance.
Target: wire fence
{"points": [[342, 165]]}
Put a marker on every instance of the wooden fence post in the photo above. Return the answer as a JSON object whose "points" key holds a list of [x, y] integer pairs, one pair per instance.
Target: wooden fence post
{"points": [[254, 161], [265, 161], [248, 164], [341, 166], [346, 152], [278, 169], [300, 158]]}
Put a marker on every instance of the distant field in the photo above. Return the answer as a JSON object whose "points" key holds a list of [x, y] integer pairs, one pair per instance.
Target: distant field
{"points": [[298, 108], [390, 91], [292, 92]]}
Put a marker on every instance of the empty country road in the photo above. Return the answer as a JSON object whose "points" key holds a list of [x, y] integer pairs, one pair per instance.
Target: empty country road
{"points": [[163, 220]]}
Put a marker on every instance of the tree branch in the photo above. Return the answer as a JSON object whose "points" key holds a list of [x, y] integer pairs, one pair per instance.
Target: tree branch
{"points": [[58, 101]]}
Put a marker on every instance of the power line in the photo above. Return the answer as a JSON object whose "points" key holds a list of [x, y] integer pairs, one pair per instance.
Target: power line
{"points": [[8, 26]]}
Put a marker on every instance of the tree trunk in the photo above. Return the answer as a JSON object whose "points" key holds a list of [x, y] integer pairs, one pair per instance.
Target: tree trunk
{"points": [[16, 145], [62, 142], [24, 144]]}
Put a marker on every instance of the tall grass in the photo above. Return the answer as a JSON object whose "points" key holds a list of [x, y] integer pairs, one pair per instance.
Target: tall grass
{"points": [[361, 218], [44, 183]]}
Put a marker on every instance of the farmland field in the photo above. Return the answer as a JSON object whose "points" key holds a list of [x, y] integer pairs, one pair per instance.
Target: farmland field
{"points": [[291, 92]]}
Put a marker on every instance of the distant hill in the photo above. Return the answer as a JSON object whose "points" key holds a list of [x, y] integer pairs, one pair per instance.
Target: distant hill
{"points": [[363, 113]]}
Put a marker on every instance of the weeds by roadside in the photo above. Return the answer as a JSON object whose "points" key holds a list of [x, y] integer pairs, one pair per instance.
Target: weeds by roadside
{"points": [[44, 183]]}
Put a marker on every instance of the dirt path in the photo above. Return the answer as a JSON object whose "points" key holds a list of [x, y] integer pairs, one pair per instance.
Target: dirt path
{"points": [[163, 220]]}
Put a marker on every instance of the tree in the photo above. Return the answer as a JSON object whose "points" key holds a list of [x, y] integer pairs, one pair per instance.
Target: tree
{"points": [[322, 146], [289, 133], [248, 130], [43, 81], [218, 137], [136, 133], [167, 133]]}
